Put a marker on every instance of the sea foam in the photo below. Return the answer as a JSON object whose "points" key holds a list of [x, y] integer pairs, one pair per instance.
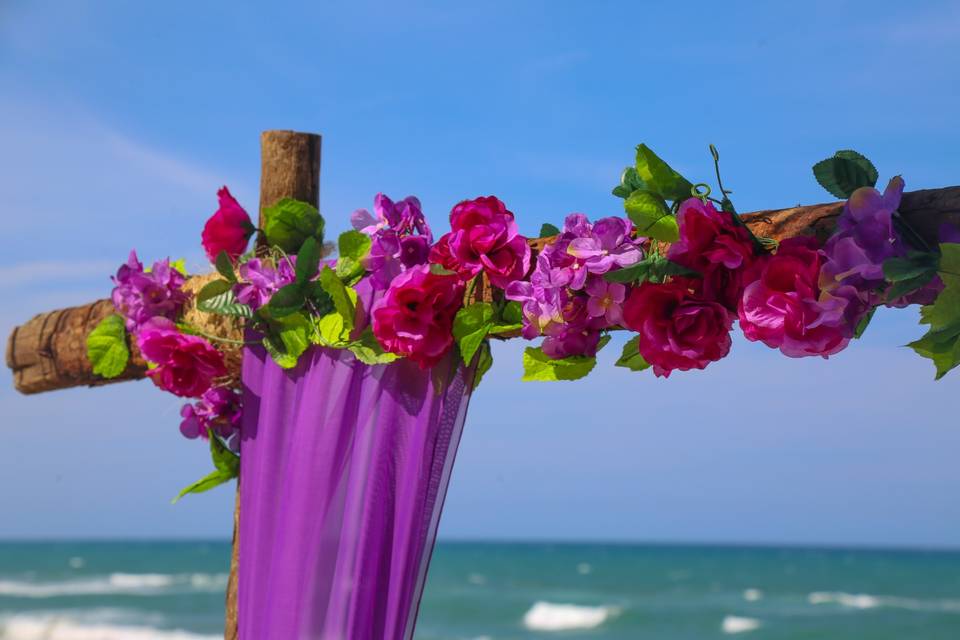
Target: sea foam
{"points": [[49, 627], [142, 584], [867, 601], [737, 624], [548, 616]]}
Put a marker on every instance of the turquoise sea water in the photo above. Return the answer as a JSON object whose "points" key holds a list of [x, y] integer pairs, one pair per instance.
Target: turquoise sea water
{"points": [[174, 591]]}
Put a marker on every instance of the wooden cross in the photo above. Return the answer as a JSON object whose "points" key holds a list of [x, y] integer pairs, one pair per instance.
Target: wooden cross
{"points": [[49, 351]]}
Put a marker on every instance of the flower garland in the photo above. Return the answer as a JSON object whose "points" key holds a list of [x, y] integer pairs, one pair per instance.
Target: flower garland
{"points": [[679, 271]]}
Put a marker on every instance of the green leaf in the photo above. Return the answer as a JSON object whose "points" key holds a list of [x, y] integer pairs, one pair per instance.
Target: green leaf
{"points": [[289, 222], [659, 177], [332, 332], [942, 347], [287, 339], [223, 458], [354, 245], [484, 362], [650, 214], [942, 342], [916, 264], [286, 301], [107, 347], [225, 304], [470, 326], [655, 268], [439, 270], [318, 297], [864, 323], [861, 160], [308, 261], [844, 173], [213, 479], [630, 181], [628, 275], [631, 358], [213, 289], [225, 267], [343, 302], [512, 313], [540, 367], [903, 287], [368, 350], [180, 265], [547, 230]]}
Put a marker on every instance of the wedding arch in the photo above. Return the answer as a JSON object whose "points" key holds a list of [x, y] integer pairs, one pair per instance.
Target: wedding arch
{"points": [[335, 388]]}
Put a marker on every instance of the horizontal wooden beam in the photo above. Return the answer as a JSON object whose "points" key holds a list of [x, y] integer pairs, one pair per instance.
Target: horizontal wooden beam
{"points": [[49, 351]]}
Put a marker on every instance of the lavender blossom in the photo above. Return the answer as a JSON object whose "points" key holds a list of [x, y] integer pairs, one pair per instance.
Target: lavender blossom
{"points": [[141, 295]]}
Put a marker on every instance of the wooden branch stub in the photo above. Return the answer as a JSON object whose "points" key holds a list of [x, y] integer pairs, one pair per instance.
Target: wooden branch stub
{"points": [[289, 167], [50, 351]]}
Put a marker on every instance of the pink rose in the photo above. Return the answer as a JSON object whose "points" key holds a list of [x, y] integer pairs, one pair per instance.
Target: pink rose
{"points": [[414, 318], [229, 229], [677, 329], [186, 365], [785, 308], [712, 244], [483, 237]]}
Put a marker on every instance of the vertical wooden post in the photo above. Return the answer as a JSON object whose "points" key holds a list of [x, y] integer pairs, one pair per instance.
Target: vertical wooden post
{"points": [[289, 168]]}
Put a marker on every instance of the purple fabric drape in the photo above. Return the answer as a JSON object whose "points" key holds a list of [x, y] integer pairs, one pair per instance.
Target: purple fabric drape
{"points": [[344, 468]]}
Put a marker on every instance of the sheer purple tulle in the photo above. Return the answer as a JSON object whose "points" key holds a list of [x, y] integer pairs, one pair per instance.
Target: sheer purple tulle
{"points": [[344, 469]]}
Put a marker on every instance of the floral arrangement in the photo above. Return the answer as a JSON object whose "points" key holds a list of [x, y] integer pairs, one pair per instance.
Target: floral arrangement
{"points": [[679, 271]]}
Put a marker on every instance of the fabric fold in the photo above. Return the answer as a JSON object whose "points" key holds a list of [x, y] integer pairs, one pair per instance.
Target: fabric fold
{"points": [[344, 469]]}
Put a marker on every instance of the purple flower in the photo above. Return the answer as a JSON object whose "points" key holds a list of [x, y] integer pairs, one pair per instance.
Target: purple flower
{"points": [[141, 295], [540, 306], [404, 217], [554, 296], [260, 280], [605, 246], [574, 335], [605, 300], [865, 238], [218, 409], [400, 237], [391, 254]]}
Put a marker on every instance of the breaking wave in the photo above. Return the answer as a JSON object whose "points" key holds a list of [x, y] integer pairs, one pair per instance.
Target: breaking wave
{"points": [[548, 616], [91, 627], [867, 601], [737, 624], [142, 584]]}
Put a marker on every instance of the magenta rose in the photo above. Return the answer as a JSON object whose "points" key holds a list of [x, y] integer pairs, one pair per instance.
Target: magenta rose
{"points": [[483, 238], [711, 243], [785, 308], [229, 229], [678, 330], [414, 318], [185, 365]]}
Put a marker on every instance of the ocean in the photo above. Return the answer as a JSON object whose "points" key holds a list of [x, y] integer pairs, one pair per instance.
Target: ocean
{"points": [[498, 591]]}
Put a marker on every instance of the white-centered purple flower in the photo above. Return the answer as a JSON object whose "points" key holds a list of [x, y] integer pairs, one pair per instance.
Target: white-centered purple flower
{"points": [[606, 300], [605, 245], [566, 298], [141, 295]]}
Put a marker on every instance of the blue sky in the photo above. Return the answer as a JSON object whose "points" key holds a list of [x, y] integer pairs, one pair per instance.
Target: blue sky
{"points": [[120, 120]]}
